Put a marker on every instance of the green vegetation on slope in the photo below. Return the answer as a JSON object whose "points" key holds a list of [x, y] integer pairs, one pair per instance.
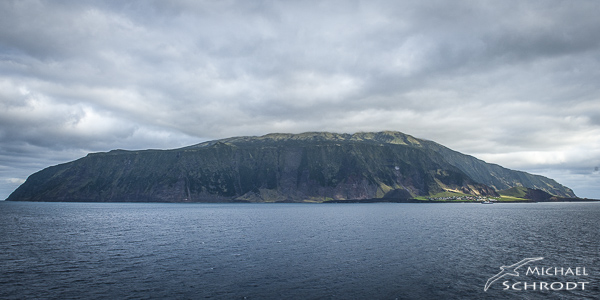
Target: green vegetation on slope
{"points": [[514, 192], [274, 167]]}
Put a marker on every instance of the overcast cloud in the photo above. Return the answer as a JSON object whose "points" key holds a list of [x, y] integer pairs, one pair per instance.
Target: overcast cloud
{"points": [[511, 82]]}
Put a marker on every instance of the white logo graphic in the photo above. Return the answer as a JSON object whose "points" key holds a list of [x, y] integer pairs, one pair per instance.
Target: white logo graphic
{"points": [[509, 270]]}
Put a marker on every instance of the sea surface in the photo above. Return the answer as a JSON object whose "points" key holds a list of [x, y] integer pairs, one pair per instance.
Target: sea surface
{"points": [[294, 251]]}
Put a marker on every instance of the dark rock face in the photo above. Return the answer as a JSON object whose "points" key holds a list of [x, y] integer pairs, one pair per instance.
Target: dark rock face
{"points": [[276, 167], [496, 176], [537, 195]]}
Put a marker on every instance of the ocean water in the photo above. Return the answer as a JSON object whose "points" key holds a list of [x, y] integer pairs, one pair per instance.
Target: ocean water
{"points": [[294, 251]]}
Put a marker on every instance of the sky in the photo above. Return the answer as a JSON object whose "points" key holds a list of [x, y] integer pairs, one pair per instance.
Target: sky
{"points": [[516, 83]]}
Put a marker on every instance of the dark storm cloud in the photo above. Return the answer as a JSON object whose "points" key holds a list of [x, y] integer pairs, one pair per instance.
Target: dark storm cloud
{"points": [[512, 82]]}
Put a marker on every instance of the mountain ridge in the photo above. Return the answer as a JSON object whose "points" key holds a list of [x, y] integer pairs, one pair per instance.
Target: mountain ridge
{"points": [[306, 167]]}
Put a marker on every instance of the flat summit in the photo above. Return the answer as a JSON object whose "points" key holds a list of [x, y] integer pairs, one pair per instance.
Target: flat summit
{"points": [[306, 167]]}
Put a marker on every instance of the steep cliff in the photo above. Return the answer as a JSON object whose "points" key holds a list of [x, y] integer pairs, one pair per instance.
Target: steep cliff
{"points": [[277, 167]]}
